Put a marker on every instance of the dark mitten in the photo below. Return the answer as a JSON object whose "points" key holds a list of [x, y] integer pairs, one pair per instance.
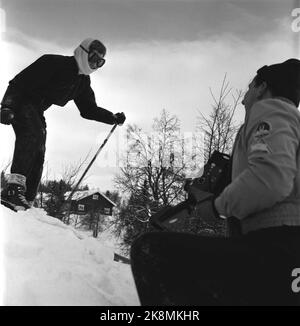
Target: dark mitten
{"points": [[120, 118], [7, 115]]}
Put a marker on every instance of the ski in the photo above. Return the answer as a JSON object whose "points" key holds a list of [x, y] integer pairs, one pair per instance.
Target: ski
{"points": [[12, 206]]}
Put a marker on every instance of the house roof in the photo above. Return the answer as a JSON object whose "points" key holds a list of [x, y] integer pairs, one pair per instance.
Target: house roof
{"points": [[78, 195]]}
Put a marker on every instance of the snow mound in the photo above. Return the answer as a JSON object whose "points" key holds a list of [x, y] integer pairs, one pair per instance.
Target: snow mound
{"points": [[46, 262]]}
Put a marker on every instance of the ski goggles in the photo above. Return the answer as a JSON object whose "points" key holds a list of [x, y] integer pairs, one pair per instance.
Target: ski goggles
{"points": [[94, 57]]}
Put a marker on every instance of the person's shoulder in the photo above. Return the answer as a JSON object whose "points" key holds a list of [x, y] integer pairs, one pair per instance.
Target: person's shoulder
{"points": [[277, 101], [66, 64], [275, 105], [275, 108], [55, 58]]}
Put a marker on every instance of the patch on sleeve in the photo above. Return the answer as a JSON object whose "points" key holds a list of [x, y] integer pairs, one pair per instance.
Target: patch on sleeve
{"points": [[260, 147], [263, 129], [259, 143]]}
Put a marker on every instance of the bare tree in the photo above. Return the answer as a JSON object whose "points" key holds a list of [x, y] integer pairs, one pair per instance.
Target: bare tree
{"points": [[154, 164], [219, 127], [57, 189], [45, 178], [71, 172], [219, 130], [152, 175]]}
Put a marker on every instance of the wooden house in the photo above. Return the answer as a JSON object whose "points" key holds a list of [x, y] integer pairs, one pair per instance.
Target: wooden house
{"points": [[91, 201]]}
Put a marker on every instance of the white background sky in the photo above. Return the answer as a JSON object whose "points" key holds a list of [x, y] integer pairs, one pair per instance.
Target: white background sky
{"points": [[161, 55]]}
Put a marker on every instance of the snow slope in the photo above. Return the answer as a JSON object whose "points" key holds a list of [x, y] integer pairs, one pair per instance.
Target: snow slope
{"points": [[45, 262]]}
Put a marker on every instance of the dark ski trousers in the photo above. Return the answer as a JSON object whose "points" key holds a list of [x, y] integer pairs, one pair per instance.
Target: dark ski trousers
{"points": [[185, 269], [28, 159]]}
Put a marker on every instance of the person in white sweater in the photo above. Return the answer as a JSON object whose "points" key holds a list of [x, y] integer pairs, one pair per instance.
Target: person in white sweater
{"points": [[265, 188], [262, 265]]}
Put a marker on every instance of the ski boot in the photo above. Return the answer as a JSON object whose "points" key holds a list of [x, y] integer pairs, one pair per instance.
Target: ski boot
{"points": [[13, 196]]}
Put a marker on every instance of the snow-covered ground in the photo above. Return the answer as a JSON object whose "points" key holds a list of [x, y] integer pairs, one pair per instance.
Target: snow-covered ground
{"points": [[45, 262]]}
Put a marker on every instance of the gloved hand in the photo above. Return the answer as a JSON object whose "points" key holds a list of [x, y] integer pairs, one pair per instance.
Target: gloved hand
{"points": [[120, 118], [201, 202], [187, 183], [206, 211], [6, 115]]}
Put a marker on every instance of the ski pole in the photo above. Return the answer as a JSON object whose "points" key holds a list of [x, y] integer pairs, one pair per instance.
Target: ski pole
{"points": [[91, 163]]}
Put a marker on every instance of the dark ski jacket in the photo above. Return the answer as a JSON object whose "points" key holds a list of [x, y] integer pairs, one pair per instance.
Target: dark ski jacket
{"points": [[54, 79]]}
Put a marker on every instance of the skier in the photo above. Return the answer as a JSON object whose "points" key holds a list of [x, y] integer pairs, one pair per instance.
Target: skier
{"points": [[52, 79], [258, 267]]}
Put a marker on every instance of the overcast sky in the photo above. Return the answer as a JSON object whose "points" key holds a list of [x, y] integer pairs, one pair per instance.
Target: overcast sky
{"points": [[161, 55]]}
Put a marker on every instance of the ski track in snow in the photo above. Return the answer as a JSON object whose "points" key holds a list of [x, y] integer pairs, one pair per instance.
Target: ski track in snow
{"points": [[49, 263]]}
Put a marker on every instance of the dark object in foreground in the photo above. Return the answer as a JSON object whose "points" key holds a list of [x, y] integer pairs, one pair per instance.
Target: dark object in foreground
{"points": [[180, 269], [6, 116]]}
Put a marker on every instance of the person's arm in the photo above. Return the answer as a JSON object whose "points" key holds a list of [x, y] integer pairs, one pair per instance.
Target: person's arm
{"points": [[86, 104], [269, 177], [29, 79]]}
